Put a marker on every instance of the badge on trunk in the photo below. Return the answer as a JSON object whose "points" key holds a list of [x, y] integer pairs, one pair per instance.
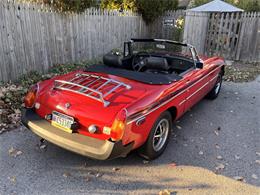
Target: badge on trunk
{"points": [[67, 105]]}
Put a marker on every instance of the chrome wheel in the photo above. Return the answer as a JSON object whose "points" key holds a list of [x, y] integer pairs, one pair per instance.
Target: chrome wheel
{"points": [[217, 88], [218, 85], [160, 134]]}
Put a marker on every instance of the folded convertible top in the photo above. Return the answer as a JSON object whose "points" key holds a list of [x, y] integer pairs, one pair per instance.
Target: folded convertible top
{"points": [[144, 77]]}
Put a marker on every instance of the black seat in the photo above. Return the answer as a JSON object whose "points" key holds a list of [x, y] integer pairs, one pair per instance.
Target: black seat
{"points": [[117, 60], [113, 59], [157, 65]]}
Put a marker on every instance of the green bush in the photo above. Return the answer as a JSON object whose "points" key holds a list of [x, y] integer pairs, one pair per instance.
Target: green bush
{"points": [[119, 4], [68, 5], [150, 10]]}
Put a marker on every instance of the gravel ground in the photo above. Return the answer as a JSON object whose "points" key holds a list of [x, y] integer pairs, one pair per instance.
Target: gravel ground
{"points": [[212, 145]]}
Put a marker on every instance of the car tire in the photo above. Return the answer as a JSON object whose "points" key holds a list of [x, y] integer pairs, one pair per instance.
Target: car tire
{"points": [[158, 137], [213, 94]]}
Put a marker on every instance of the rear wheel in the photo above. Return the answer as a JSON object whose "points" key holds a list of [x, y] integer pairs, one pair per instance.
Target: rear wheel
{"points": [[213, 94], [158, 137]]}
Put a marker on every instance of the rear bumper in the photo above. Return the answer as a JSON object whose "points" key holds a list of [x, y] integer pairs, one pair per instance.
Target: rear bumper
{"points": [[86, 146]]}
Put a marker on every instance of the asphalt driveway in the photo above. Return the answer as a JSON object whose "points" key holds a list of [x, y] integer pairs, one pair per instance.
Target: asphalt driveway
{"points": [[213, 145]]}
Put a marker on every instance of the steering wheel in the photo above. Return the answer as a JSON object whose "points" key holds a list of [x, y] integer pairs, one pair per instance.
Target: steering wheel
{"points": [[138, 60]]}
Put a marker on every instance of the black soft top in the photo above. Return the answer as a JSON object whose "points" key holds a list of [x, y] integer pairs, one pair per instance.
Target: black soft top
{"points": [[144, 77]]}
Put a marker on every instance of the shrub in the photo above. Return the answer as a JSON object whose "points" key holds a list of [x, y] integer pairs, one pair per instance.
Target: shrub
{"points": [[150, 10], [68, 5]]}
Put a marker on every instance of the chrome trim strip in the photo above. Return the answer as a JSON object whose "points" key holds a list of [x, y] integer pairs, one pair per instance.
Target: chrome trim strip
{"points": [[198, 90], [170, 99]]}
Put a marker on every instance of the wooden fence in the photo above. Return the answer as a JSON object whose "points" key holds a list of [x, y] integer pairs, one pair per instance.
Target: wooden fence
{"points": [[165, 26], [34, 37], [235, 36]]}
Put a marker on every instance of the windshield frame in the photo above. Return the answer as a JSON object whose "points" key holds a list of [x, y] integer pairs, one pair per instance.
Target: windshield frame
{"points": [[128, 49]]}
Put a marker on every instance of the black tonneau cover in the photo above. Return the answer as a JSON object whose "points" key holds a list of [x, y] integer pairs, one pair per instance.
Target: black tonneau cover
{"points": [[144, 77]]}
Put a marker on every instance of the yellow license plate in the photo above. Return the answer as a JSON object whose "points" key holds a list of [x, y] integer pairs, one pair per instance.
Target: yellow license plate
{"points": [[62, 121]]}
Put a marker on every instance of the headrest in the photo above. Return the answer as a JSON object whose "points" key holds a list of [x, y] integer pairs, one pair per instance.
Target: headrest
{"points": [[157, 63], [113, 59]]}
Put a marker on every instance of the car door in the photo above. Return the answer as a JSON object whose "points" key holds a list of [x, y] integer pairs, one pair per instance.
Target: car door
{"points": [[196, 82]]}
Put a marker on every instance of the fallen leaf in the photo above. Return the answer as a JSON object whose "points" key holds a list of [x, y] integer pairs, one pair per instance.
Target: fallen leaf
{"points": [[238, 178], [165, 192], [254, 176], [201, 153], [87, 179], [220, 167], [43, 146], [173, 164], [12, 179], [99, 175], [219, 157], [66, 174], [116, 169], [216, 133], [14, 152], [237, 157]]}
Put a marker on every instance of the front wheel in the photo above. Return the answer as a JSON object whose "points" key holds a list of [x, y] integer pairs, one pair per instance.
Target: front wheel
{"points": [[213, 94], [158, 137]]}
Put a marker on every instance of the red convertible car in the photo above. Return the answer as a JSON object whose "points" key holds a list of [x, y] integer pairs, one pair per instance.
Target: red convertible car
{"points": [[128, 102]]}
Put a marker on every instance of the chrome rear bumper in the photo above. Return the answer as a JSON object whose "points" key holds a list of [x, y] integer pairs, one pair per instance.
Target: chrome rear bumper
{"points": [[84, 145]]}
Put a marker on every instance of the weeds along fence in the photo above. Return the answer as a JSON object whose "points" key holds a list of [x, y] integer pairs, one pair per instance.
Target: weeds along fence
{"points": [[34, 37], [235, 36]]}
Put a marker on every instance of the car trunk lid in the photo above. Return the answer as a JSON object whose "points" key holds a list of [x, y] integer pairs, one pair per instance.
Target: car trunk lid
{"points": [[94, 99]]}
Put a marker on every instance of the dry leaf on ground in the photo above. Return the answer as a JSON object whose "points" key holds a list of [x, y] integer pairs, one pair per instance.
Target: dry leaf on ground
{"points": [[14, 152]]}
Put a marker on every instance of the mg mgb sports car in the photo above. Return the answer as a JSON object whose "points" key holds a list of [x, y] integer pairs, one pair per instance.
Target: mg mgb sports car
{"points": [[128, 102]]}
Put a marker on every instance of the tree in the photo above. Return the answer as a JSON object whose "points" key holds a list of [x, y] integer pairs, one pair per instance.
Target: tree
{"points": [[150, 10], [68, 5]]}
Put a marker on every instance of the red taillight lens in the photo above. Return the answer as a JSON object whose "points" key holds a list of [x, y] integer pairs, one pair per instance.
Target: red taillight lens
{"points": [[118, 127], [30, 97]]}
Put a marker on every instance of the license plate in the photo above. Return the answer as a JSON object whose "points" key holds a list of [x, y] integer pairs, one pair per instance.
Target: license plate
{"points": [[62, 121]]}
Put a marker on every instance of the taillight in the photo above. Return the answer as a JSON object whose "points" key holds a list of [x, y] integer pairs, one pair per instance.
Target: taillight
{"points": [[30, 97], [118, 127]]}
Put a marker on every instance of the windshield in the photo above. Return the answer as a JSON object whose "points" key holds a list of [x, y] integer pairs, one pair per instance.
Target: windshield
{"points": [[161, 48]]}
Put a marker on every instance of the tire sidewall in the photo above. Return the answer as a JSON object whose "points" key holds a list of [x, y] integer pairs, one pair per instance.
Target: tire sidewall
{"points": [[219, 80], [147, 150]]}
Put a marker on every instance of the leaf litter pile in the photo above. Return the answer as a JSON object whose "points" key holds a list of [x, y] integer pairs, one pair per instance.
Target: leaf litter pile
{"points": [[11, 94], [239, 72]]}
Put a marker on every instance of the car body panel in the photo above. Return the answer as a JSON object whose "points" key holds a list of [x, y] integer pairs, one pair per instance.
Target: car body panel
{"points": [[143, 102]]}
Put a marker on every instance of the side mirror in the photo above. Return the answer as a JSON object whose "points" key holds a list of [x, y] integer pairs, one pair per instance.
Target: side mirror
{"points": [[199, 65]]}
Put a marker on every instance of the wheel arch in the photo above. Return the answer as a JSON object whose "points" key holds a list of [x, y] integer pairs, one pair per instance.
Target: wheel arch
{"points": [[222, 70], [173, 111]]}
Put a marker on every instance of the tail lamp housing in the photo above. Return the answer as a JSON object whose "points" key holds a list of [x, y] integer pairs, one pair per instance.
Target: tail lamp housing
{"points": [[118, 126], [30, 97]]}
